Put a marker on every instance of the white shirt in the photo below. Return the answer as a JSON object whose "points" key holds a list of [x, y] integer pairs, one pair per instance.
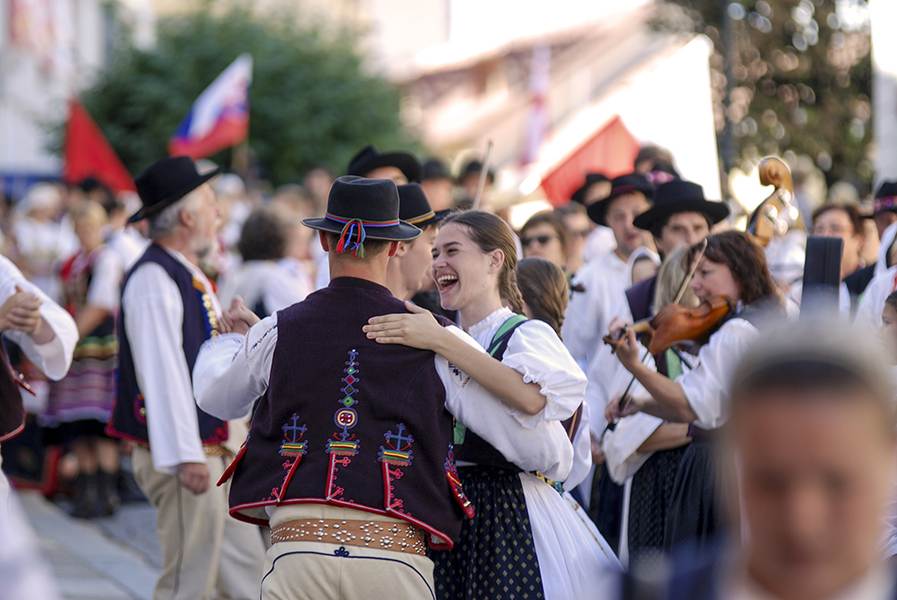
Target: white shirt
{"points": [[600, 242], [53, 358], [43, 245], [873, 299], [105, 281], [128, 245], [707, 386], [589, 313], [154, 316], [265, 281], [232, 371]]}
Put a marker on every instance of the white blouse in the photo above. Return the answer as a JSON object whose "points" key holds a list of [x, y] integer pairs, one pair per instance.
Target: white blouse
{"points": [[232, 371], [265, 281], [707, 386], [535, 351]]}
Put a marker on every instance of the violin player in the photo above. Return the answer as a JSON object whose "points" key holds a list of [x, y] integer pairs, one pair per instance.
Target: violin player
{"points": [[731, 271], [643, 447]]}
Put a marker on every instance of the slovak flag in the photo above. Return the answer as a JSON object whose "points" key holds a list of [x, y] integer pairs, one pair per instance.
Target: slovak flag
{"points": [[220, 116]]}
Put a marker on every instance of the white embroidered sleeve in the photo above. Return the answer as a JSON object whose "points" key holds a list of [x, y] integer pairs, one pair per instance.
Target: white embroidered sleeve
{"points": [[232, 371]]}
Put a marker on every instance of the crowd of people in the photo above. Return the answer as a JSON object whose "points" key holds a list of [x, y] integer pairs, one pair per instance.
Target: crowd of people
{"points": [[369, 366]]}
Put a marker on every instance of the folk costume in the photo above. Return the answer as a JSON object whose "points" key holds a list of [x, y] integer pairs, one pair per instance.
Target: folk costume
{"points": [[81, 403], [52, 359], [529, 538], [356, 489], [168, 309], [604, 280], [650, 477]]}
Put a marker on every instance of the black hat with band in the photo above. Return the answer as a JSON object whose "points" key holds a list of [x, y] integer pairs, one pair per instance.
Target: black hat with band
{"points": [[359, 209]]}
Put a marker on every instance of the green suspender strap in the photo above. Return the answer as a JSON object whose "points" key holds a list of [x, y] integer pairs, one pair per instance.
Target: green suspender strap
{"points": [[498, 341]]}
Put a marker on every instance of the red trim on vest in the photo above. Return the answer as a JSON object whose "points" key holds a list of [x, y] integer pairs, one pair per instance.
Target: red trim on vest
{"points": [[14, 432], [289, 477], [229, 471]]}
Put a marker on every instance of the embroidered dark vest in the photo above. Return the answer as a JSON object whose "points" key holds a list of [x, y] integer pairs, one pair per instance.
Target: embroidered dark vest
{"points": [[349, 422], [12, 411], [129, 413]]}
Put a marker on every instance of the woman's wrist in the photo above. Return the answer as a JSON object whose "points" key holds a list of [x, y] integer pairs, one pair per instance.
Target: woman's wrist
{"points": [[441, 341]]}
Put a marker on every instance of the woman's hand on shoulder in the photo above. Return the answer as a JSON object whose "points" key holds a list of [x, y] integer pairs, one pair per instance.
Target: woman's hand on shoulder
{"points": [[418, 328]]}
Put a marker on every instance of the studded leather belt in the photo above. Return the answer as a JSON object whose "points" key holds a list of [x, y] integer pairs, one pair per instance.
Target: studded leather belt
{"points": [[398, 537]]}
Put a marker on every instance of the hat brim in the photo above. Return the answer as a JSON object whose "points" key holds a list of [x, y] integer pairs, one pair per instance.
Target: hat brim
{"points": [[148, 211], [714, 211], [596, 210], [396, 233]]}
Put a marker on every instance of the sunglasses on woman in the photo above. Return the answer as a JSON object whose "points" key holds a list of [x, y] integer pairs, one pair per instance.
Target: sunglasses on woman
{"points": [[542, 240]]}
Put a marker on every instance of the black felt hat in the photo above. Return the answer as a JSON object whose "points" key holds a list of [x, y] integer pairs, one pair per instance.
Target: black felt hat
{"points": [[367, 159], [433, 168], [360, 209], [579, 196], [885, 197], [624, 184], [414, 207], [165, 182], [678, 196]]}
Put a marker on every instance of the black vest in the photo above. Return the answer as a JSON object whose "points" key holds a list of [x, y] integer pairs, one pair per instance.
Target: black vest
{"points": [[350, 422], [129, 413], [12, 411]]}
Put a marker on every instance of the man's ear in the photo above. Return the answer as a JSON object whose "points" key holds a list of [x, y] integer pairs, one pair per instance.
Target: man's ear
{"points": [[397, 249], [325, 243], [186, 218]]}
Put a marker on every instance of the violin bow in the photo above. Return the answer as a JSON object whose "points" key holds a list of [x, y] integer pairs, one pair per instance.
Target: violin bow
{"points": [[680, 293], [481, 184]]}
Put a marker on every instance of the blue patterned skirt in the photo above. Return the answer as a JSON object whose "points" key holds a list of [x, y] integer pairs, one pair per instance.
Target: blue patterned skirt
{"points": [[495, 556]]}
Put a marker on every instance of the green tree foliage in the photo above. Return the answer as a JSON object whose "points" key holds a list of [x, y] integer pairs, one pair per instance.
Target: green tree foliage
{"points": [[311, 101], [801, 77]]}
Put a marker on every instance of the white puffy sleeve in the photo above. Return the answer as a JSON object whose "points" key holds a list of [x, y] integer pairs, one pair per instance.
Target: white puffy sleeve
{"points": [[621, 445], [543, 447], [580, 330], [707, 386], [536, 352], [55, 357], [872, 301], [105, 285]]}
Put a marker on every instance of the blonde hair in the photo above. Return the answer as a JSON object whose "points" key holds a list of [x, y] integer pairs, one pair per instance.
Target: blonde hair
{"points": [[670, 276]]}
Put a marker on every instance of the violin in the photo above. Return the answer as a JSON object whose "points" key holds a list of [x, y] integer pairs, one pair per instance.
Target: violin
{"points": [[675, 324]]}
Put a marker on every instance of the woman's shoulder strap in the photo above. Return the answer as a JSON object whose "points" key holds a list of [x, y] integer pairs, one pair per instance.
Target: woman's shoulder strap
{"points": [[504, 332]]}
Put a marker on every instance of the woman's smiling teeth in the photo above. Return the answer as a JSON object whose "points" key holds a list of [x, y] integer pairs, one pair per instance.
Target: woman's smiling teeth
{"points": [[446, 280]]}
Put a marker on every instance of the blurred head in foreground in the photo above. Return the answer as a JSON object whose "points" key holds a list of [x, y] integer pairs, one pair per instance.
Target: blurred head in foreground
{"points": [[813, 437]]}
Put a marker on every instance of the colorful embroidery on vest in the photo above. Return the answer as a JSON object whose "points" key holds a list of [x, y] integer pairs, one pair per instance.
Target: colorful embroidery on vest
{"points": [[211, 317], [293, 444], [395, 455], [344, 444], [454, 481]]}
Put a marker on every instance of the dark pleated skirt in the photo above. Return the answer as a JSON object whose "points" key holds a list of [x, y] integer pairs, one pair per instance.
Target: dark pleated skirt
{"points": [[495, 556], [694, 516], [606, 506], [649, 503]]}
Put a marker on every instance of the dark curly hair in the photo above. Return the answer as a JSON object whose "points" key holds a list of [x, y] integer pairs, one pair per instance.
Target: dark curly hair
{"points": [[747, 262]]}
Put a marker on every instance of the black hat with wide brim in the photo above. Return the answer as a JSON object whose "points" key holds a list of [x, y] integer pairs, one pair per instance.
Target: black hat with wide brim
{"points": [[165, 182], [414, 208], [579, 196], [361, 208], [680, 196], [624, 184], [367, 159]]}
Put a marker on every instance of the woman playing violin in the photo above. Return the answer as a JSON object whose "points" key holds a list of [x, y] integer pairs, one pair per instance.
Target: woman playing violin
{"points": [[734, 268]]}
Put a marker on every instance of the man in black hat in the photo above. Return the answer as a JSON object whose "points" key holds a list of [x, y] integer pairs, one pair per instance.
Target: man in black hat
{"points": [[437, 183], [469, 181], [605, 278], [884, 210], [168, 310], [400, 167], [349, 456], [680, 216], [409, 269]]}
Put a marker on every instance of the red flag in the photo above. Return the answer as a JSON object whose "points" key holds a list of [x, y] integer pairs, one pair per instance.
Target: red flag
{"points": [[610, 151], [88, 154]]}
